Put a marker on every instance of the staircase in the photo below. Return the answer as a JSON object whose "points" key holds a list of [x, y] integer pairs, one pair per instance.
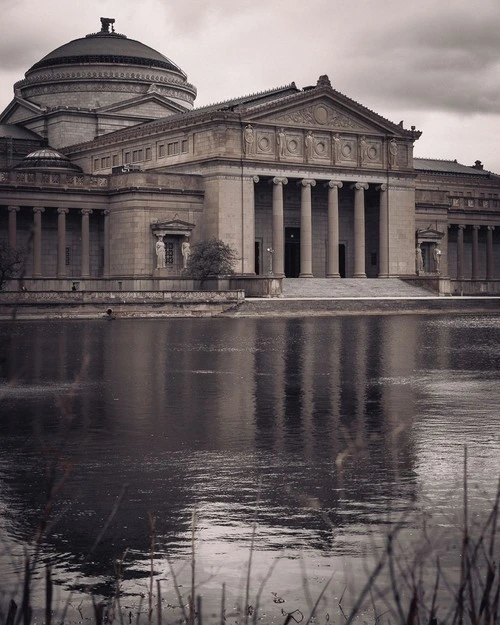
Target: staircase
{"points": [[339, 288]]}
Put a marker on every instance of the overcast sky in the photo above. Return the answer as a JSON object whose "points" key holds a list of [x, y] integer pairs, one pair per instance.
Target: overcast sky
{"points": [[433, 63]]}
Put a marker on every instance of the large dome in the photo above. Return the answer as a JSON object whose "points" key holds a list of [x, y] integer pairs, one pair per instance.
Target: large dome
{"points": [[102, 70], [106, 47]]}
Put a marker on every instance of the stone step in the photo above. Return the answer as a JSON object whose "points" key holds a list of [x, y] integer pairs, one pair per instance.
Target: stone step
{"points": [[350, 287]]}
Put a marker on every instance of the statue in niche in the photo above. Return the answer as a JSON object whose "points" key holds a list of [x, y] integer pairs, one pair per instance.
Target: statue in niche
{"points": [[336, 148], [281, 141], [309, 142], [160, 254], [248, 139], [419, 260], [436, 254], [363, 150], [393, 152], [186, 252]]}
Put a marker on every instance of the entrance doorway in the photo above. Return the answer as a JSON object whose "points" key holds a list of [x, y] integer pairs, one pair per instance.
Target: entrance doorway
{"points": [[292, 252]]}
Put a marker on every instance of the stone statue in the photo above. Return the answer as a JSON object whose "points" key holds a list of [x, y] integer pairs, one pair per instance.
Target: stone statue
{"points": [[436, 254], [419, 260], [281, 141], [393, 152], [336, 148], [160, 254], [362, 150], [186, 252], [309, 142], [248, 139]]}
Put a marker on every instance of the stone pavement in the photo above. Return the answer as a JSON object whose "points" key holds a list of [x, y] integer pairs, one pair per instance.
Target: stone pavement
{"points": [[313, 288]]}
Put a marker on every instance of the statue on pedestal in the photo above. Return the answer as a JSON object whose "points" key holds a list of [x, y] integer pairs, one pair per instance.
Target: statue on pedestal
{"points": [[186, 252], [160, 254], [419, 260], [436, 254], [248, 139]]}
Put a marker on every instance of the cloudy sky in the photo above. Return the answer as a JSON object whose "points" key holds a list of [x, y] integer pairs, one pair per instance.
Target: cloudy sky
{"points": [[433, 63]]}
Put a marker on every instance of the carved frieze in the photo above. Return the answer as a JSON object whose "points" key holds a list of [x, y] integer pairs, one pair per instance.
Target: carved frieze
{"points": [[265, 142], [318, 115]]}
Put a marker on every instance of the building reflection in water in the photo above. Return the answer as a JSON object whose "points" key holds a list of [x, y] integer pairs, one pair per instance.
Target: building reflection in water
{"points": [[190, 412]]}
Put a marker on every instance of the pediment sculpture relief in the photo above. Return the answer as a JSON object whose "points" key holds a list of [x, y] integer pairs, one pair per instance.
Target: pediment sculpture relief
{"points": [[321, 115]]}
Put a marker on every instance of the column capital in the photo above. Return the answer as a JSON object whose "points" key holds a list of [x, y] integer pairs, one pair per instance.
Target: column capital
{"points": [[357, 186], [461, 227], [334, 183], [307, 182], [106, 212], [255, 179], [382, 187], [63, 211], [476, 227], [279, 180], [13, 209], [490, 228], [86, 211], [38, 209]]}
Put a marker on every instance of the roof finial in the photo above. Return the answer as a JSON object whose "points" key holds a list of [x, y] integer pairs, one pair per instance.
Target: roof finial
{"points": [[106, 22]]}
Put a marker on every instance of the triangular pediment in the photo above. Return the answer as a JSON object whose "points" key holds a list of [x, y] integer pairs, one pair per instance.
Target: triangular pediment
{"points": [[19, 110], [172, 226], [324, 109], [152, 105]]}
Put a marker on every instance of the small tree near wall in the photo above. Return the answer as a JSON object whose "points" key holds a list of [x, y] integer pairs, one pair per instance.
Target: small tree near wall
{"points": [[11, 262], [211, 258]]}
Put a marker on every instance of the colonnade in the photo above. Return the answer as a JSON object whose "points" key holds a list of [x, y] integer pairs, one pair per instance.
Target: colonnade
{"points": [[306, 241], [38, 211], [475, 264]]}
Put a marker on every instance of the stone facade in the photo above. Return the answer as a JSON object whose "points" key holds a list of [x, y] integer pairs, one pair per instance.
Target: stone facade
{"points": [[300, 182]]}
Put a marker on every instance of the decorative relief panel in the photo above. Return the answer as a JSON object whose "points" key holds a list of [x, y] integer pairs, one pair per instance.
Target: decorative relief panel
{"points": [[318, 115], [348, 150], [293, 144], [265, 142], [321, 147]]}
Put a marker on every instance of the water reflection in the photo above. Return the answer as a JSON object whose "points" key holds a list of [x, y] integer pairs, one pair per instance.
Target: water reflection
{"points": [[340, 419]]}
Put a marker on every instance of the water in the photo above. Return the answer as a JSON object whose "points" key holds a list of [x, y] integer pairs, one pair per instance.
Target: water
{"points": [[325, 432]]}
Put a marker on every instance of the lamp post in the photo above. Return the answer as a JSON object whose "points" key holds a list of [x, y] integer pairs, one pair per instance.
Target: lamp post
{"points": [[270, 251]]}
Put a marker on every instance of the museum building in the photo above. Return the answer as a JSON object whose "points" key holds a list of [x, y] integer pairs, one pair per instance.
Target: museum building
{"points": [[104, 161]]}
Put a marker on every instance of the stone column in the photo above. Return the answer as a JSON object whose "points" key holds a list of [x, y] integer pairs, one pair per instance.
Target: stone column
{"points": [[475, 252], [85, 272], [359, 229], [106, 270], [13, 210], [306, 228], [278, 227], [37, 241], [489, 252], [383, 225], [332, 270], [61, 242], [460, 252]]}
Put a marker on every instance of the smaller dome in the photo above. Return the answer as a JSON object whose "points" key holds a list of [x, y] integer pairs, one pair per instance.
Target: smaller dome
{"points": [[47, 158]]}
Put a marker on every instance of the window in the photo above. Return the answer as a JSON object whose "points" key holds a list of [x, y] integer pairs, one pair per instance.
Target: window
{"points": [[108, 161], [161, 151], [96, 163], [173, 148], [169, 253], [115, 160], [126, 158], [184, 146], [103, 162], [148, 154], [134, 156], [67, 256]]}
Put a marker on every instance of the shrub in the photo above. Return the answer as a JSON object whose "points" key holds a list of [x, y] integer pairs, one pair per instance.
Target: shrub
{"points": [[11, 262], [211, 258]]}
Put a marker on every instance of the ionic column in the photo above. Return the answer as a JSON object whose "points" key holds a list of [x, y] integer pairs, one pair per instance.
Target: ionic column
{"points": [[278, 227], [359, 229], [332, 270], [13, 210], [489, 252], [61, 242], [37, 241], [306, 228], [460, 252], [106, 270], [475, 252], [86, 212], [383, 225]]}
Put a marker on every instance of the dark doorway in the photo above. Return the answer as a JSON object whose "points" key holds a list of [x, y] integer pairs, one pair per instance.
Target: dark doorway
{"points": [[257, 258], [342, 260], [292, 252]]}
